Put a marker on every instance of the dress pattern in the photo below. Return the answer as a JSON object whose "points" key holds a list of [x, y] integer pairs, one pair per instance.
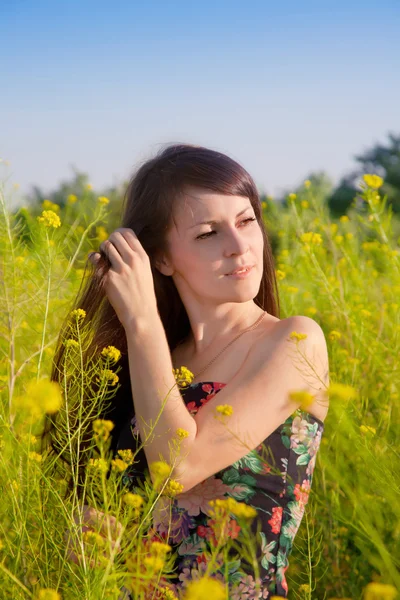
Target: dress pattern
{"points": [[275, 478]]}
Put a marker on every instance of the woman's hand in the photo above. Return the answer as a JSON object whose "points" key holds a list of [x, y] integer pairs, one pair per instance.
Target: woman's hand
{"points": [[92, 520], [129, 283]]}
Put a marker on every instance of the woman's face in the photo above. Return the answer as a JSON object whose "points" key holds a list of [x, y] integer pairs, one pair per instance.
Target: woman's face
{"points": [[200, 254]]}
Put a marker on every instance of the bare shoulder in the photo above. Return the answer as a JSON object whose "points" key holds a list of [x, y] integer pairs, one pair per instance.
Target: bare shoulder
{"points": [[296, 345]]}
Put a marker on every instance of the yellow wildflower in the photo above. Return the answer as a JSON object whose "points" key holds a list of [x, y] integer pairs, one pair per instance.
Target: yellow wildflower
{"points": [[206, 587], [220, 506], [71, 199], [98, 464], [101, 233], [173, 488], [304, 204], [373, 181], [349, 235], [367, 429], [182, 433], [160, 549], [70, 343], [109, 376], [134, 500], [35, 456], [49, 219], [292, 196], [183, 376], [102, 428], [19, 260], [310, 237], [307, 183], [111, 353], [224, 409], [304, 398], [344, 219], [78, 314], [294, 335], [1, 545], [338, 239], [126, 455], [49, 205], [103, 200], [379, 591], [155, 563], [89, 186], [292, 289], [94, 538], [40, 397], [340, 390], [160, 470], [264, 204], [48, 594], [280, 274], [334, 335], [119, 465], [168, 594]]}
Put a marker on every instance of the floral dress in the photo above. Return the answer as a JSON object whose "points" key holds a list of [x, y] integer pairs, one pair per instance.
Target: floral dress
{"points": [[275, 478]]}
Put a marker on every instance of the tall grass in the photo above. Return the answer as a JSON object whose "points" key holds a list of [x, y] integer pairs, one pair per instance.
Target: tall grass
{"points": [[344, 274]]}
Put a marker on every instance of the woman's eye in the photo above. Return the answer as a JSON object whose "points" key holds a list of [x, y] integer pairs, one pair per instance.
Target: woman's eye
{"points": [[205, 235]]}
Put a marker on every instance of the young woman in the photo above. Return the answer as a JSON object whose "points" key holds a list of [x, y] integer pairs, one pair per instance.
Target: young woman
{"points": [[163, 292]]}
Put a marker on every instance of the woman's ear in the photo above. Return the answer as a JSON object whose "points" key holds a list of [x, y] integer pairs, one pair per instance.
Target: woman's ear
{"points": [[163, 265]]}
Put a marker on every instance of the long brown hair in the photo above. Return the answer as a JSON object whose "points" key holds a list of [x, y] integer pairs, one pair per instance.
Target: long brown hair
{"points": [[148, 208]]}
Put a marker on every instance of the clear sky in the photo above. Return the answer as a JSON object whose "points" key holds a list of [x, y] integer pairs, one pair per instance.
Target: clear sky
{"points": [[285, 88]]}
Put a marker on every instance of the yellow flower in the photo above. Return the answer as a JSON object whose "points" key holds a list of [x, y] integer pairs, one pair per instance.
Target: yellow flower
{"points": [[379, 591], [224, 409], [183, 376], [78, 314], [35, 456], [49, 219], [102, 428], [221, 506], [71, 199], [294, 335], [367, 429], [109, 376], [160, 470], [334, 335], [340, 390], [349, 236], [304, 398], [126, 455], [168, 594], [182, 433], [70, 343], [292, 196], [101, 233], [173, 488], [49, 205], [160, 549], [373, 181], [133, 500], [344, 219], [111, 353], [119, 465], [40, 397], [203, 588], [304, 204], [263, 204], [92, 537], [98, 464], [292, 289], [155, 563], [1, 545], [89, 186], [307, 183], [48, 594], [339, 239], [310, 237], [103, 200], [280, 274]]}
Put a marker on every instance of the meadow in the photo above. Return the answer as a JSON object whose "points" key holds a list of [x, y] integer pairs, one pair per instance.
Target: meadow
{"points": [[344, 273]]}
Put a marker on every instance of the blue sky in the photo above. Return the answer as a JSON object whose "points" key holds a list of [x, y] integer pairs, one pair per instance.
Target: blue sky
{"points": [[285, 88]]}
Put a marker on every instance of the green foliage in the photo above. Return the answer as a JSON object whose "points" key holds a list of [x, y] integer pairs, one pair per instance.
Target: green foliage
{"points": [[345, 274]]}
